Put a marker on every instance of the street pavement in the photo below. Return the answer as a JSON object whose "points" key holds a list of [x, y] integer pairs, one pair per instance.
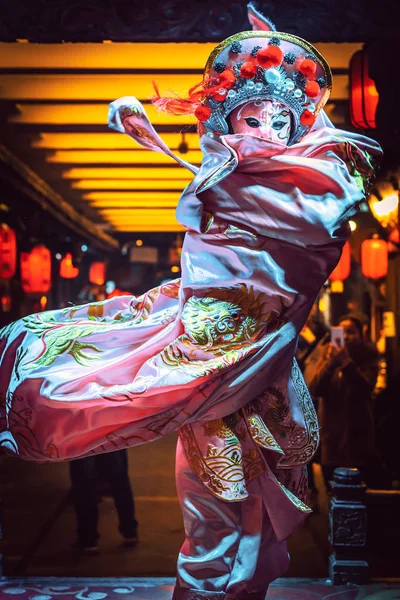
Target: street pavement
{"points": [[39, 523]]}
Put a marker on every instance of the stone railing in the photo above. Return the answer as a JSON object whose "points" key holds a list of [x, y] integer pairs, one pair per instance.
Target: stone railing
{"points": [[363, 525]]}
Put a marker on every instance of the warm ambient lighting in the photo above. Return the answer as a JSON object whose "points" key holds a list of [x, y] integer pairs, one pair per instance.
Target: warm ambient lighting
{"points": [[139, 242], [156, 216], [92, 141], [123, 55], [131, 55], [160, 202], [66, 86], [149, 228], [118, 157], [85, 114], [129, 184], [172, 172], [104, 87], [175, 269], [142, 196]]}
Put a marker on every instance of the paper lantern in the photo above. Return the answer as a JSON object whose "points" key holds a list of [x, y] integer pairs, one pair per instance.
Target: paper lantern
{"points": [[363, 94], [342, 269], [6, 303], [67, 269], [36, 270], [97, 273], [374, 258], [8, 252]]}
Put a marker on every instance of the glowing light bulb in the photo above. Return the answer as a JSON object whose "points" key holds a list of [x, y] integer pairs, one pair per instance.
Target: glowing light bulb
{"points": [[139, 243], [353, 225]]}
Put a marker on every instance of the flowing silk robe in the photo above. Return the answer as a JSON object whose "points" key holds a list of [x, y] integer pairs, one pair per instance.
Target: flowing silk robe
{"points": [[210, 354]]}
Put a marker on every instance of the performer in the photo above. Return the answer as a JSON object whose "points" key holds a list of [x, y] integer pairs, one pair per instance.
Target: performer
{"points": [[211, 355]]}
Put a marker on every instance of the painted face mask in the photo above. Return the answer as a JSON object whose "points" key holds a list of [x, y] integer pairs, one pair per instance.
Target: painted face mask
{"points": [[266, 119]]}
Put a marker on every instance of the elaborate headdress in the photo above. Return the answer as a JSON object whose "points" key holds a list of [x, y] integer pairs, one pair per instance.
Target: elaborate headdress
{"points": [[255, 65]]}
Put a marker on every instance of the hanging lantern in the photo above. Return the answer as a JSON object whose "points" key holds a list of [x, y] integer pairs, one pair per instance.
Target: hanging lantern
{"points": [[8, 252], [363, 94], [342, 270], [6, 303], [374, 258], [97, 273], [36, 270], [67, 269]]}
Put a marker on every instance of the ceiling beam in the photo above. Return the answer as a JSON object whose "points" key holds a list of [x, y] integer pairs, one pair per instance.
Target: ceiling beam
{"points": [[31, 185], [80, 21]]}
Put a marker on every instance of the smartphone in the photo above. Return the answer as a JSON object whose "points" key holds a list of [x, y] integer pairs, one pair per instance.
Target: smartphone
{"points": [[337, 336]]}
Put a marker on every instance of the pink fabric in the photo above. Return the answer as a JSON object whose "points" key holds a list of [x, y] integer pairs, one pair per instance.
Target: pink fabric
{"points": [[266, 224], [229, 546]]}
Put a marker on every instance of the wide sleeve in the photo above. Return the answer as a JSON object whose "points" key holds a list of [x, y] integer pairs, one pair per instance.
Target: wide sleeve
{"points": [[305, 194]]}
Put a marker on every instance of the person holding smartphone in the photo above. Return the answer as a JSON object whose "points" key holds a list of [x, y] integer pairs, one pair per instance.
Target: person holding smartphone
{"points": [[344, 383]]}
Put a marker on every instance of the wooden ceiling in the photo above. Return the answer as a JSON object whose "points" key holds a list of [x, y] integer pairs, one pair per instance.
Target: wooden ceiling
{"points": [[54, 100]]}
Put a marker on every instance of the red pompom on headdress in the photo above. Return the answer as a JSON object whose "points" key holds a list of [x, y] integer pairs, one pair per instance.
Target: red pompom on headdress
{"points": [[307, 67], [220, 95], [248, 70], [202, 113], [312, 89], [268, 57], [307, 118], [227, 79]]}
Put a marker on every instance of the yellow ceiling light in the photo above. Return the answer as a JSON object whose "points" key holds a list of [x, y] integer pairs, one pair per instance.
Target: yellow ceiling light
{"points": [[148, 228], [92, 87], [353, 225], [121, 55], [109, 86], [129, 184], [93, 141], [161, 202], [119, 173], [158, 215], [386, 210], [131, 195], [128, 55], [86, 114], [118, 157]]}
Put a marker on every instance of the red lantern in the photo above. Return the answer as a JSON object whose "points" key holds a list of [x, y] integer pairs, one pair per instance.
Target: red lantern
{"points": [[342, 269], [6, 303], [36, 270], [8, 252], [363, 94], [97, 273], [374, 258], [67, 269]]}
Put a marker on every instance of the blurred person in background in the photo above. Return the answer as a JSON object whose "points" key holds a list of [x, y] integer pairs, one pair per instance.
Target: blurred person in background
{"points": [[344, 380], [85, 473]]}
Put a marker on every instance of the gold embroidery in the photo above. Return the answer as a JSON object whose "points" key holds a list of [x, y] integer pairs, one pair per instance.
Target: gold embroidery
{"points": [[298, 441], [261, 434], [223, 470]]}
